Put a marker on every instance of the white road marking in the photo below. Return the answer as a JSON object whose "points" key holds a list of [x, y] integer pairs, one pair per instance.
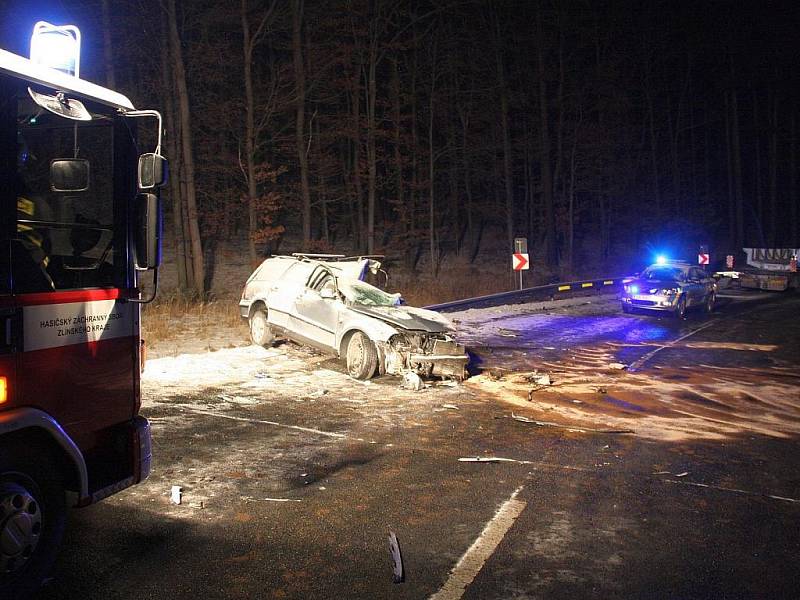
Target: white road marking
{"points": [[471, 563], [263, 422], [634, 366], [733, 490]]}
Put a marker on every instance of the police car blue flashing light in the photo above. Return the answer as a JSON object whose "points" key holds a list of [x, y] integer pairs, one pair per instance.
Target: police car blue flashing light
{"points": [[661, 259], [57, 47]]}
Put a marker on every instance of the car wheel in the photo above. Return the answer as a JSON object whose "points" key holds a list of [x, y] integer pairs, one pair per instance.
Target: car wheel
{"points": [[625, 308], [260, 331], [710, 302], [32, 518], [680, 310], [362, 358]]}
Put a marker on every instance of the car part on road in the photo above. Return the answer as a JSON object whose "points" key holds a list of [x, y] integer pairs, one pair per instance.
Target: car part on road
{"points": [[398, 571], [32, 520]]}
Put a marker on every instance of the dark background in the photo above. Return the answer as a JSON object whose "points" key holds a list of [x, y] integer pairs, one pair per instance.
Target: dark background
{"points": [[602, 131]]}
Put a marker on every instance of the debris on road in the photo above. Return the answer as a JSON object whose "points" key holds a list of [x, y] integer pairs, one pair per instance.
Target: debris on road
{"points": [[494, 459], [543, 379], [251, 499], [507, 332], [175, 494], [412, 381], [522, 419], [398, 572], [198, 504], [450, 406], [617, 366], [684, 474]]}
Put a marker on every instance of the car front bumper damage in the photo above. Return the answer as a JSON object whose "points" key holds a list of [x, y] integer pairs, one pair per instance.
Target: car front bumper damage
{"points": [[425, 356]]}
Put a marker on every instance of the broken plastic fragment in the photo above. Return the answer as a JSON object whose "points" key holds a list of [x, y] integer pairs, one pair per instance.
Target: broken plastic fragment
{"points": [[175, 494], [398, 572], [617, 366], [412, 381]]}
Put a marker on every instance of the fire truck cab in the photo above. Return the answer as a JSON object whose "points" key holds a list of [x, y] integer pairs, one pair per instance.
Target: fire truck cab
{"points": [[79, 220]]}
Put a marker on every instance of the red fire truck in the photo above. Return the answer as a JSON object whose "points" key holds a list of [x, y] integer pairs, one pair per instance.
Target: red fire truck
{"points": [[79, 221]]}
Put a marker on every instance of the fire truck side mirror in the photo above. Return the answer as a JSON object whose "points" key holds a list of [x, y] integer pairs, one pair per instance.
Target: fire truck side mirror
{"points": [[152, 171], [148, 236], [69, 175]]}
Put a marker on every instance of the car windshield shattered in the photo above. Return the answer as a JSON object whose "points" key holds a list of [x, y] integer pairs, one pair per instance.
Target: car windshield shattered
{"points": [[359, 292]]}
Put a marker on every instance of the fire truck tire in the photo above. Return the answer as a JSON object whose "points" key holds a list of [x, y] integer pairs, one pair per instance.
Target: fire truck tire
{"points": [[260, 331], [32, 519], [362, 357]]}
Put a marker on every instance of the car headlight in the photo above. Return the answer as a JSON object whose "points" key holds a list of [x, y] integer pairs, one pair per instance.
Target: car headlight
{"points": [[669, 292]]}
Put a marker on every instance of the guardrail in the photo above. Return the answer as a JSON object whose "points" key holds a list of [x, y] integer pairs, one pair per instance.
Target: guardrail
{"points": [[542, 292]]}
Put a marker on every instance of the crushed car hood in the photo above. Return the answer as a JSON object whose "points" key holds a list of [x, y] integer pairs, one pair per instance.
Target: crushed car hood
{"points": [[406, 317]]}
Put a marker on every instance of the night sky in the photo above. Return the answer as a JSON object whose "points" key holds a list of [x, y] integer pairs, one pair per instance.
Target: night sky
{"points": [[598, 130]]}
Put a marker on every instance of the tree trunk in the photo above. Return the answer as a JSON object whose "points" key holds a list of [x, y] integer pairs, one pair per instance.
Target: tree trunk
{"points": [[774, 238], [249, 138], [508, 174], [108, 56], [198, 273], [794, 230], [550, 252], [432, 237], [300, 118], [179, 236]]}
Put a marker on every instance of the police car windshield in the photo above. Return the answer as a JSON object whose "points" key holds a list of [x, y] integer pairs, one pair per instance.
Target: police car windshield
{"points": [[662, 274]]}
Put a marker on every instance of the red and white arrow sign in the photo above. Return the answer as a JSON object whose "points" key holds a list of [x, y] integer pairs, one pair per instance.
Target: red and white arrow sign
{"points": [[519, 262], [702, 259]]}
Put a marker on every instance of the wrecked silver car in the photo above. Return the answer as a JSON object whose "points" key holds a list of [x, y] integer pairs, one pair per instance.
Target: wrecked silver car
{"points": [[325, 302]]}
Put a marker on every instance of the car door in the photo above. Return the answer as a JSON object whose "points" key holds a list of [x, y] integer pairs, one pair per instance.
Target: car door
{"points": [[283, 293], [316, 309], [696, 286]]}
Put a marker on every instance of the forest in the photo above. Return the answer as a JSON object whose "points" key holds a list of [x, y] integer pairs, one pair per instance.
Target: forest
{"points": [[436, 130]]}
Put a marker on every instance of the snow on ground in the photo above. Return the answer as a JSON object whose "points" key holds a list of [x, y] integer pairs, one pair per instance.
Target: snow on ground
{"points": [[588, 384]]}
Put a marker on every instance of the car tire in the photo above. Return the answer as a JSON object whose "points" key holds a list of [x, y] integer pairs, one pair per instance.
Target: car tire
{"points": [[626, 308], [34, 514], [260, 331], [710, 302], [680, 310], [361, 357]]}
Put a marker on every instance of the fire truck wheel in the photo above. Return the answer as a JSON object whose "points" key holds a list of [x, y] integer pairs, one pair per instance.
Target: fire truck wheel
{"points": [[260, 331], [32, 518], [362, 358]]}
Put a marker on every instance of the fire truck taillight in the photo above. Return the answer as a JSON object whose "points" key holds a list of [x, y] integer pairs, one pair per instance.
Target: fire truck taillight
{"points": [[3, 389]]}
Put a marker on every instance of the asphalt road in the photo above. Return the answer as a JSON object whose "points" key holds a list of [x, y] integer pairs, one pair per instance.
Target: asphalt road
{"points": [[298, 497]]}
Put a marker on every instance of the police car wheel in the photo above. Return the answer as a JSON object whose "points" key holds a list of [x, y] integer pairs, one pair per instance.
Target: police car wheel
{"points": [[260, 331], [32, 519], [710, 302], [680, 310]]}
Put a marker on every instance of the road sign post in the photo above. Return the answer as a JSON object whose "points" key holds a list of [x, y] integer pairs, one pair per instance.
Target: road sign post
{"points": [[520, 260], [703, 256]]}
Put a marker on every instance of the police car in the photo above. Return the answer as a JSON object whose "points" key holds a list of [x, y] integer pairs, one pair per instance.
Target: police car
{"points": [[670, 286]]}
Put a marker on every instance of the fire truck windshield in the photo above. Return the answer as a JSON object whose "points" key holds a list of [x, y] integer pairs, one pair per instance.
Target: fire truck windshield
{"points": [[65, 234]]}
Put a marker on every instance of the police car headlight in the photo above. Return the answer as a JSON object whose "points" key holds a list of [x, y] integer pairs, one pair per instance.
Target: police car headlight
{"points": [[669, 292]]}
